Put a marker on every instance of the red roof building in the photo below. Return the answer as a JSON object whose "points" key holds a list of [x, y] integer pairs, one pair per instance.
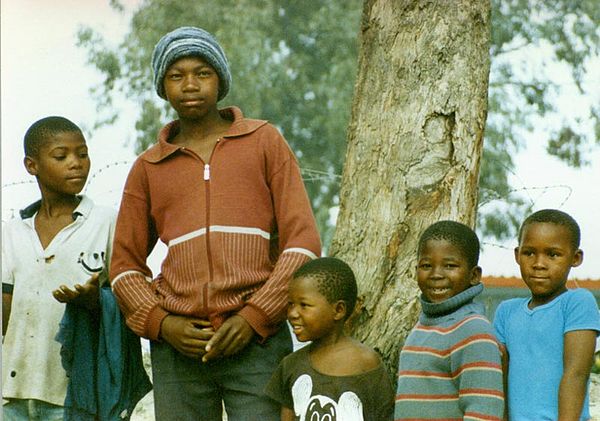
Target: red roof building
{"points": [[500, 288]]}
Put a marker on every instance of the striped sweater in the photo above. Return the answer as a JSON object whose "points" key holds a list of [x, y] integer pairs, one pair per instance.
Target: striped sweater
{"points": [[236, 227], [450, 367]]}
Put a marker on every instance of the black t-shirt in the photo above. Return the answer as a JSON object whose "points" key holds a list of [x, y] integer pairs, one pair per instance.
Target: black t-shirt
{"points": [[363, 397]]}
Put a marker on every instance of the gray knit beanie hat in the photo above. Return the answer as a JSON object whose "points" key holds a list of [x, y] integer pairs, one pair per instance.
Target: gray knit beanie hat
{"points": [[189, 41]]}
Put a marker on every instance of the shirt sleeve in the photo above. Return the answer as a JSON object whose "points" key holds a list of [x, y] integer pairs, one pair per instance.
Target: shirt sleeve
{"points": [[385, 393], [298, 237], [135, 237], [278, 389], [499, 323], [476, 365], [581, 311]]}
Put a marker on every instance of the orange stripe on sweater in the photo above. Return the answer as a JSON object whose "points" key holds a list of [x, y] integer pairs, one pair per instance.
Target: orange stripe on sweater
{"points": [[480, 417], [449, 329], [483, 337], [482, 392], [425, 397], [480, 365]]}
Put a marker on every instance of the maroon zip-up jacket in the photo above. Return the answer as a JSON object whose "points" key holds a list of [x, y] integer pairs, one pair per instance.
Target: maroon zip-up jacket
{"points": [[236, 227]]}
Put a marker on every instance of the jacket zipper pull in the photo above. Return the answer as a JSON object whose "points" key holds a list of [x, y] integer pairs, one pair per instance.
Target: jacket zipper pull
{"points": [[206, 172]]}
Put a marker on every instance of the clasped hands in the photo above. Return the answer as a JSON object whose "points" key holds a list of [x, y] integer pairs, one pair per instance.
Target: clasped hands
{"points": [[196, 338]]}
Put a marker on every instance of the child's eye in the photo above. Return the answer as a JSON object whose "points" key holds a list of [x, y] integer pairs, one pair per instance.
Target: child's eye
{"points": [[174, 76], [60, 157]]}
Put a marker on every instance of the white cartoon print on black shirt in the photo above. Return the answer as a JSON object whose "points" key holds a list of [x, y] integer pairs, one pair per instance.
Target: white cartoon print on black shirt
{"points": [[323, 408]]}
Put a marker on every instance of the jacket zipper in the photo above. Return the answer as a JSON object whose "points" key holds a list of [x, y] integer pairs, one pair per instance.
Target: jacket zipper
{"points": [[206, 177]]}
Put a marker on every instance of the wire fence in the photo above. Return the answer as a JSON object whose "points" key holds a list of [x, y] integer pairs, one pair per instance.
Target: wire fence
{"points": [[105, 185]]}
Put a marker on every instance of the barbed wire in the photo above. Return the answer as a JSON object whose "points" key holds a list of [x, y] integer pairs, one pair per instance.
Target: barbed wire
{"points": [[308, 175], [111, 165], [497, 245], [17, 183], [493, 195], [92, 179]]}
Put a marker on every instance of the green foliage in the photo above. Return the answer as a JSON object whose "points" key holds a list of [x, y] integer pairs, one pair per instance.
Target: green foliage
{"points": [[569, 31], [294, 63]]}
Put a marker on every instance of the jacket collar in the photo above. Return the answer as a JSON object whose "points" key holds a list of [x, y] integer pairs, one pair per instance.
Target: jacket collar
{"points": [[241, 126]]}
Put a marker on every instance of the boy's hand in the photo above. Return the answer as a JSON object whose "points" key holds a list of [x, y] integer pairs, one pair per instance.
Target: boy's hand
{"points": [[230, 338], [85, 295], [188, 335]]}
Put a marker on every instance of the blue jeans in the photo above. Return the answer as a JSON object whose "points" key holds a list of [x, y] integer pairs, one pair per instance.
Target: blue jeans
{"points": [[187, 389], [31, 410]]}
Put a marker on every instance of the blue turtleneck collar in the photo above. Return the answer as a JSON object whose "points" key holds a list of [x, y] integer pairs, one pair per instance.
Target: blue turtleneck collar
{"points": [[451, 304]]}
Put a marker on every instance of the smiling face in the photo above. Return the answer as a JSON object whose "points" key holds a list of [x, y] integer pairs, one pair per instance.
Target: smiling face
{"points": [[191, 87], [312, 317], [443, 271], [62, 164], [545, 256]]}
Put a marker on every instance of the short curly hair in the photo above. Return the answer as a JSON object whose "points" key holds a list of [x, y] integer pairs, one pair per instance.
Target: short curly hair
{"points": [[335, 280], [42, 130], [557, 217], [456, 233]]}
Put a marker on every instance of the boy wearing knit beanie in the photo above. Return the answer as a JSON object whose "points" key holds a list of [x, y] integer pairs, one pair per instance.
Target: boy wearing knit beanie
{"points": [[450, 365], [225, 193]]}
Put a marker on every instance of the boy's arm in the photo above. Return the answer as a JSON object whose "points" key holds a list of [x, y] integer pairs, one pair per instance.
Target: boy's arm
{"points": [[299, 239], [130, 276], [579, 346]]}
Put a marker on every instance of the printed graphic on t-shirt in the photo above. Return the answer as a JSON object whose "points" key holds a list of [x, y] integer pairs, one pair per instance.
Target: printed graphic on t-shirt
{"points": [[91, 262], [311, 407]]}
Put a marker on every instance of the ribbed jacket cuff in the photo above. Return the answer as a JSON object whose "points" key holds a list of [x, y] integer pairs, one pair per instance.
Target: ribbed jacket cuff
{"points": [[258, 320], [155, 318]]}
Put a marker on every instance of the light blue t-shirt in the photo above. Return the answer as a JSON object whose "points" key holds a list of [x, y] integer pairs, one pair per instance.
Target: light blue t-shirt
{"points": [[534, 340]]}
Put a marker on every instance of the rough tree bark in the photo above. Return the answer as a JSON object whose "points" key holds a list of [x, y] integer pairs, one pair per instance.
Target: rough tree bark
{"points": [[414, 146]]}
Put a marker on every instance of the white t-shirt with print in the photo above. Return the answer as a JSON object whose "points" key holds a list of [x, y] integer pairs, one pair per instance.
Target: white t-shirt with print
{"points": [[31, 364]]}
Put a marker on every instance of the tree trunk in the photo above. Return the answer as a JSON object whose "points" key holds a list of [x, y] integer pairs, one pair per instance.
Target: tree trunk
{"points": [[414, 146]]}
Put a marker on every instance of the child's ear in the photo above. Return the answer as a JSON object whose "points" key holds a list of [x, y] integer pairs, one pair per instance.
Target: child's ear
{"points": [[517, 255], [577, 258], [475, 275], [340, 309], [30, 165]]}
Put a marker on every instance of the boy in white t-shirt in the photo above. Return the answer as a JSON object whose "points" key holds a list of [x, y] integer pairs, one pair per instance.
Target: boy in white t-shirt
{"points": [[56, 252]]}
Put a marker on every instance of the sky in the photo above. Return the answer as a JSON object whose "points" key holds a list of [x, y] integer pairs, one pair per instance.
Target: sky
{"points": [[43, 73]]}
